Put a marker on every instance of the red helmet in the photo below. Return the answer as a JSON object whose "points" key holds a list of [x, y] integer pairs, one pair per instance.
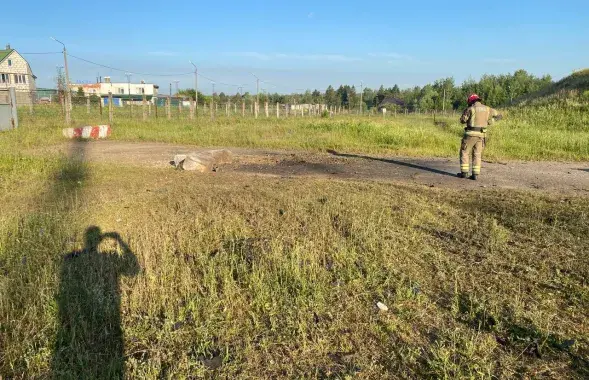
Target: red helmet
{"points": [[473, 98]]}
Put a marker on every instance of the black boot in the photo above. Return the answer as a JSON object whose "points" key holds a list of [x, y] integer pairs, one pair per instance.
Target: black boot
{"points": [[474, 177], [462, 175]]}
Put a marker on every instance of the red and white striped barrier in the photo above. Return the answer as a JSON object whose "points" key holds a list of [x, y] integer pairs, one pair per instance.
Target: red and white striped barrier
{"points": [[88, 132]]}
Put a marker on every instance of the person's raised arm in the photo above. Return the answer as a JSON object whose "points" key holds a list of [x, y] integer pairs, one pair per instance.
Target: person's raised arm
{"points": [[494, 116], [128, 260]]}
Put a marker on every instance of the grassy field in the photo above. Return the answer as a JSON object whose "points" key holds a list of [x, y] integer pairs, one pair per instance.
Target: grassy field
{"points": [[240, 276], [156, 273], [548, 133]]}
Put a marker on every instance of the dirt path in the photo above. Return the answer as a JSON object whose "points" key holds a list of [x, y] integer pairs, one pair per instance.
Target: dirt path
{"points": [[549, 176]]}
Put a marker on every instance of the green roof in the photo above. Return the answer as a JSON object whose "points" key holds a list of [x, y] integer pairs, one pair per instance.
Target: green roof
{"points": [[5, 53]]}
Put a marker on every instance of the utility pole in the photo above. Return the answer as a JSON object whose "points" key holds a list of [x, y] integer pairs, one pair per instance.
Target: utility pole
{"points": [[213, 109], [68, 95], [128, 75], [361, 97], [444, 104], [60, 88], [169, 110], [179, 104], [257, 89], [195, 88]]}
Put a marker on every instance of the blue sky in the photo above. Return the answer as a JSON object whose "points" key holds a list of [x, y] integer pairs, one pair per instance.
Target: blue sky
{"points": [[303, 44]]}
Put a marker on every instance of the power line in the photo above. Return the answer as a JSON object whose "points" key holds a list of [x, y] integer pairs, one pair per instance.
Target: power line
{"points": [[50, 52], [275, 85], [232, 85], [270, 83], [138, 73], [145, 74], [205, 77], [226, 84], [216, 81], [128, 71], [279, 85], [222, 83]]}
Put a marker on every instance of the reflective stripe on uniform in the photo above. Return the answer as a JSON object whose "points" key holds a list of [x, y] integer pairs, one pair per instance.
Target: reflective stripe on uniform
{"points": [[474, 134], [476, 170], [473, 117]]}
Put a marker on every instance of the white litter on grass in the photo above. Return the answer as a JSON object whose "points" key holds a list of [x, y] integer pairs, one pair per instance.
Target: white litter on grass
{"points": [[382, 306]]}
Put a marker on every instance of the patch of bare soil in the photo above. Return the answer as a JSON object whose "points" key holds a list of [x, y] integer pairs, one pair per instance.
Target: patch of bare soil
{"points": [[549, 176]]}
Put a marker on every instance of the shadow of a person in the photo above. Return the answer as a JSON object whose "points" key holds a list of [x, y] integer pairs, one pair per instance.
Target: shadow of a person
{"points": [[394, 162], [89, 342]]}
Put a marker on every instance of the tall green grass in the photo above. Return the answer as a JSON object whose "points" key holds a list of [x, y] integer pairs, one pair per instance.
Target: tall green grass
{"points": [[543, 133]]}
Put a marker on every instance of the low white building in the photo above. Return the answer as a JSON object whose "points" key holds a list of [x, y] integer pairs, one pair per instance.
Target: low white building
{"points": [[307, 107], [16, 72], [121, 91]]}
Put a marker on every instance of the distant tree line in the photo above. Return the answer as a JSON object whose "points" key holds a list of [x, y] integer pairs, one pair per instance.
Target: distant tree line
{"points": [[496, 90]]}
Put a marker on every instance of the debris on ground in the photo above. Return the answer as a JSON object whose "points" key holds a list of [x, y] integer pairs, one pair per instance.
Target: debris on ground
{"points": [[203, 162], [382, 306]]}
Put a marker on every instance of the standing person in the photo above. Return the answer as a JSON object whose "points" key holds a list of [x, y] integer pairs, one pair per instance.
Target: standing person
{"points": [[477, 118]]}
